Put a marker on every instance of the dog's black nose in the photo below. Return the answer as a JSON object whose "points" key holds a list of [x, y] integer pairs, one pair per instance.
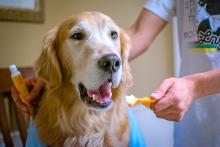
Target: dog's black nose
{"points": [[109, 63]]}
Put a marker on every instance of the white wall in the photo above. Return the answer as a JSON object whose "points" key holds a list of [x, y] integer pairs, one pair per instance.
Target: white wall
{"points": [[20, 44]]}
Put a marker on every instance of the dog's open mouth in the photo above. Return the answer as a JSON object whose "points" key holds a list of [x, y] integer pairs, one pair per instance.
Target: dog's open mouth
{"points": [[98, 98]]}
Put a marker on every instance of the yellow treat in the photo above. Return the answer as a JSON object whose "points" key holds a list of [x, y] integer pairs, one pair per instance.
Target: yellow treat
{"points": [[20, 86], [146, 101]]}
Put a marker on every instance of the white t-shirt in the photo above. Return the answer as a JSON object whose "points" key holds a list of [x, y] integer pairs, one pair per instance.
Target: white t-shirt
{"points": [[199, 37]]}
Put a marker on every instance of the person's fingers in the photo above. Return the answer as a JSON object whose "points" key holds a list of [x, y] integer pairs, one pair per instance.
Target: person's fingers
{"points": [[175, 108], [30, 80], [36, 91], [164, 103], [17, 100], [162, 89], [172, 116], [170, 109], [171, 113]]}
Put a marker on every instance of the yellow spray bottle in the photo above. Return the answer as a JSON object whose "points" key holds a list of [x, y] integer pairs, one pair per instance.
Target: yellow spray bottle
{"points": [[20, 86]]}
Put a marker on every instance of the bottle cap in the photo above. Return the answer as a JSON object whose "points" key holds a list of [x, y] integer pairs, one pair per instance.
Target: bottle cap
{"points": [[13, 69]]}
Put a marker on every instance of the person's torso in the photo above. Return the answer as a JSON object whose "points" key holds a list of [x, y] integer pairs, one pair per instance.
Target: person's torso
{"points": [[199, 30]]}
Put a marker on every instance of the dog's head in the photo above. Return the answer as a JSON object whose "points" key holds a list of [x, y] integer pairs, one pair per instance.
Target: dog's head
{"points": [[91, 52]]}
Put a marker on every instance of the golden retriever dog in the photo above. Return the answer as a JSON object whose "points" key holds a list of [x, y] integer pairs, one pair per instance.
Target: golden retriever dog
{"points": [[84, 64]]}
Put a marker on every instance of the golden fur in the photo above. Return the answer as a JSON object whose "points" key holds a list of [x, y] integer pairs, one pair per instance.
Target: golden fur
{"points": [[61, 117]]}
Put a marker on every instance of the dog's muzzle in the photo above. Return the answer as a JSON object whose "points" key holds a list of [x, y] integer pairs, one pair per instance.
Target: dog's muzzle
{"points": [[100, 97]]}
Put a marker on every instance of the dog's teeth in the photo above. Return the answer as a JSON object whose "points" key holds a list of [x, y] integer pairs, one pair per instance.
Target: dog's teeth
{"points": [[93, 97]]}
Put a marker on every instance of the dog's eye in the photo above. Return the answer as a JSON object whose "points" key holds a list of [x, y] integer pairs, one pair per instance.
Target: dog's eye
{"points": [[114, 34], [78, 36]]}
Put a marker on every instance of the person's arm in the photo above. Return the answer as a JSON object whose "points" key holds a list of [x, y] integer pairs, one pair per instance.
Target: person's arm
{"points": [[206, 83], [144, 31], [175, 95]]}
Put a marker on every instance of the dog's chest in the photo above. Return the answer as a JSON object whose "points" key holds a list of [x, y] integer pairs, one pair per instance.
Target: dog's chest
{"points": [[95, 140], [89, 140]]}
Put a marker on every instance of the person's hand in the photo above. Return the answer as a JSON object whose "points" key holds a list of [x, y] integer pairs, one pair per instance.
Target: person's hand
{"points": [[174, 97], [35, 88]]}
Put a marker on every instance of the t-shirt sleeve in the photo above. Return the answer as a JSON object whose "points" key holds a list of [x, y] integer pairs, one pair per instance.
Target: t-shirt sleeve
{"points": [[163, 8]]}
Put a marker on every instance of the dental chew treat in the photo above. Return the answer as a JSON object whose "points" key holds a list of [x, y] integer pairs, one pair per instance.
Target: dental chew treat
{"points": [[146, 101]]}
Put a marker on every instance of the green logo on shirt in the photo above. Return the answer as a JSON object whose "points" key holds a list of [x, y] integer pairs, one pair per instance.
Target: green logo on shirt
{"points": [[204, 48]]}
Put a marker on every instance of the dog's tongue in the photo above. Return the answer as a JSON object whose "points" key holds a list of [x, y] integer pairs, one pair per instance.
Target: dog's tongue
{"points": [[102, 94]]}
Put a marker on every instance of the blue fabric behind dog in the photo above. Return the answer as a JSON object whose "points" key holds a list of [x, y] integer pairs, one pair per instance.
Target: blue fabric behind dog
{"points": [[32, 138], [136, 139]]}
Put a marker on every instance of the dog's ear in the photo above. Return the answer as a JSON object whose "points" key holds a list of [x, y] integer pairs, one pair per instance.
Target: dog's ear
{"points": [[127, 78], [47, 65]]}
